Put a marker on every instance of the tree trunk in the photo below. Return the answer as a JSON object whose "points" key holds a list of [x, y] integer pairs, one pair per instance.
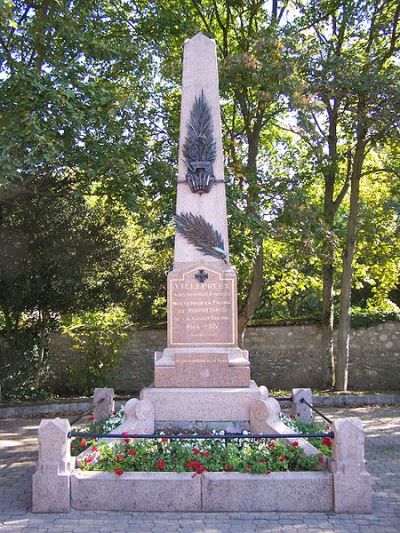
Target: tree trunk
{"points": [[327, 354], [343, 348], [253, 296]]}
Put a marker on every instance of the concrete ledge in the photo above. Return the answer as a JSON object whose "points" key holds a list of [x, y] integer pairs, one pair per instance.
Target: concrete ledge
{"points": [[278, 491], [135, 491]]}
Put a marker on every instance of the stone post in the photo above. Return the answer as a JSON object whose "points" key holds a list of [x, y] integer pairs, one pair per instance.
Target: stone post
{"points": [[51, 481], [103, 403], [299, 409], [352, 486]]}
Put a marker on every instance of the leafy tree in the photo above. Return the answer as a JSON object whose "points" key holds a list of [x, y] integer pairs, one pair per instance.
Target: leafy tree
{"points": [[347, 106]]}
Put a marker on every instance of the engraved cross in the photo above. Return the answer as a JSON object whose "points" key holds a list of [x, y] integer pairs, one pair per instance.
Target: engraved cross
{"points": [[201, 276]]}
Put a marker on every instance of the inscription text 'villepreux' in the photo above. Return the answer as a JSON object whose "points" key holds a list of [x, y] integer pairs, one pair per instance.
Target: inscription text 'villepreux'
{"points": [[201, 313]]}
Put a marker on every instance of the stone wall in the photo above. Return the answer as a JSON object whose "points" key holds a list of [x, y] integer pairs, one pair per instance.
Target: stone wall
{"points": [[281, 357]]}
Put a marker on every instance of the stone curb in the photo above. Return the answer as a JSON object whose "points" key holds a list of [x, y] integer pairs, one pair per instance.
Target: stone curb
{"points": [[75, 408], [71, 408]]}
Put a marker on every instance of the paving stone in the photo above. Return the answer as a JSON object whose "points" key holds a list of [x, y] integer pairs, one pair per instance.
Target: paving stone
{"points": [[382, 453]]}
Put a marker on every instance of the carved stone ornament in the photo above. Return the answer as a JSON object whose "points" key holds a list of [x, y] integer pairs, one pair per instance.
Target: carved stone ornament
{"points": [[201, 234], [199, 149], [201, 276]]}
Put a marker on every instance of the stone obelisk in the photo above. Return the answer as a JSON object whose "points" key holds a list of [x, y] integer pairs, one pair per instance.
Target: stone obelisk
{"points": [[202, 357]]}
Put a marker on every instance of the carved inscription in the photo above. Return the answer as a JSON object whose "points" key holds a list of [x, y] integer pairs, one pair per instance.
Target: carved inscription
{"points": [[201, 314]]}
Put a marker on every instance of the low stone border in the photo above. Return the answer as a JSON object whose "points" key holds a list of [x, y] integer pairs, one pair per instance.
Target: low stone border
{"points": [[345, 488], [209, 492], [65, 408], [77, 407]]}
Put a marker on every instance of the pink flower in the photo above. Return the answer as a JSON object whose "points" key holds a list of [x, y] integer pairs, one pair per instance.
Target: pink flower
{"points": [[160, 464], [89, 459], [292, 417], [83, 443], [118, 471], [120, 457], [205, 454], [95, 449]]}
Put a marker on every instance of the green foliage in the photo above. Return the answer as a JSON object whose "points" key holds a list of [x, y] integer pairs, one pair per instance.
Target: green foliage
{"points": [[89, 120], [152, 455], [96, 339], [21, 367]]}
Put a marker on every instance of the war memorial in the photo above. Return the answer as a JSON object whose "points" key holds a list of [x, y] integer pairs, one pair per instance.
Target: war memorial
{"points": [[202, 377]]}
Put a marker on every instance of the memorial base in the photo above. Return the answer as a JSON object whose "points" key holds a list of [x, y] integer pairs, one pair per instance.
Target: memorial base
{"points": [[202, 407], [202, 367]]}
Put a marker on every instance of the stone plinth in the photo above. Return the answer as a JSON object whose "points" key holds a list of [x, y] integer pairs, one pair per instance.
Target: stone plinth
{"points": [[202, 367], [202, 331], [201, 405], [51, 481], [352, 483]]}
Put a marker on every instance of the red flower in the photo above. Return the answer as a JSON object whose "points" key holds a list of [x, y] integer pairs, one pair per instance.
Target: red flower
{"points": [[205, 454], [120, 457], [160, 464], [249, 466], [95, 449], [295, 443], [125, 433], [118, 471], [327, 441], [196, 466], [132, 452], [83, 442], [292, 417], [228, 468], [196, 451], [89, 459], [127, 440], [164, 439], [90, 418], [262, 461], [282, 458], [271, 445], [321, 459]]}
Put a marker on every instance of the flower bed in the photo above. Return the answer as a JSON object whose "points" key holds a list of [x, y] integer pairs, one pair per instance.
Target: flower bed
{"points": [[249, 455], [324, 445]]}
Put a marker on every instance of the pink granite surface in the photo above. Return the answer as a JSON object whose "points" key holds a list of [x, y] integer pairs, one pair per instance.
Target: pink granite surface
{"points": [[202, 373], [202, 404], [202, 313]]}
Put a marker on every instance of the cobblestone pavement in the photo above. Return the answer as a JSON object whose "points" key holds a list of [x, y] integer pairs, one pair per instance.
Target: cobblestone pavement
{"points": [[18, 451]]}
